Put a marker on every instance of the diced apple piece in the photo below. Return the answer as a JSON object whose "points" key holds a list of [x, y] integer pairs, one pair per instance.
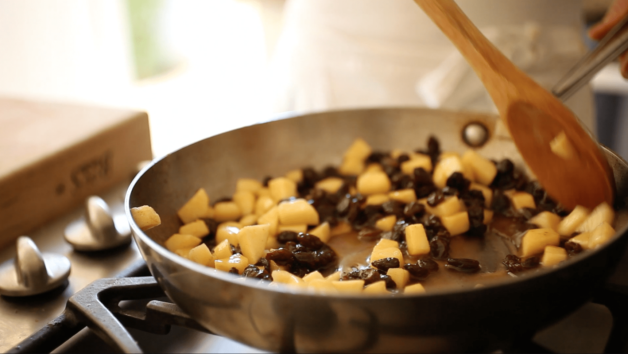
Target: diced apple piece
{"points": [[488, 216], [271, 242], [322, 231], [209, 214], [376, 199], [487, 192], [195, 207], [349, 286], [602, 213], [400, 276], [263, 205], [562, 147], [571, 222], [196, 228], [201, 255], [263, 192], [351, 167], [297, 211], [534, 241], [373, 183], [248, 220], [414, 289], [228, 231], [601, 234], [382, 253], [359, 149], [281, 276], [183, 252], [248, 184], [386, 223], [271, 217], [245, 200], [252, 241], [340, 229], [178, 241], [403, 195], [553, 255], [373, 167], [236, 261], [521, 200], [295, 175], [416, 240], [385, 243], [583, 240], [418, 160], [335, 276], [315, 275], [456, 224], [546, 220], [484, 170], [379, 287], [282, 188], [449, 206], [145, 217], [444, 168], [222, 250], [395, 153], [330, 184], [323, 286], [274, 266], [226, 211]]}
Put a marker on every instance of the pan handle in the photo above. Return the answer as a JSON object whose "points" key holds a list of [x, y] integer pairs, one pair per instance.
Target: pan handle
{"points": [[609, 48]]}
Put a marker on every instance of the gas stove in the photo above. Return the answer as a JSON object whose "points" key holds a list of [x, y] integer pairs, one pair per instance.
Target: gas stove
{"points": [[115, 283]]}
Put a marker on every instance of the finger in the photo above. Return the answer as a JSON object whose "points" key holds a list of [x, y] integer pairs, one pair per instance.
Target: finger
{"points": [[616, 12]]}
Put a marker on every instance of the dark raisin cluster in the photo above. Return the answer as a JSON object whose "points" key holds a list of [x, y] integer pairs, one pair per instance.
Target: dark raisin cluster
{"points": [[516, 264], [369, 275], [302, 253]]}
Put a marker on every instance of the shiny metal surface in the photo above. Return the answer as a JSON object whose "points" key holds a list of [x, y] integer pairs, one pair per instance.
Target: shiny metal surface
{"points": [[283, 319], [96, 230], [475, 134], [31, 272], [609, 49]]}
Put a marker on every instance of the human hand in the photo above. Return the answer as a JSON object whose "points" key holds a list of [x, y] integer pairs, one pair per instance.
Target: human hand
{"points": [[615, 13]]}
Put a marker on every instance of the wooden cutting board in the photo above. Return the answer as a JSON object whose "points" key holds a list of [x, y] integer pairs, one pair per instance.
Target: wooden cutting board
{"points": [[54, 155]]}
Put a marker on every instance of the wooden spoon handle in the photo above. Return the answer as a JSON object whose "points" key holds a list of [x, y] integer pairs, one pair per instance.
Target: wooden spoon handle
{"points": [[493, 68]]}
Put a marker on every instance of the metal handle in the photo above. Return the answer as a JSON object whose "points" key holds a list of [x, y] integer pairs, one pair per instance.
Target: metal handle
{"points": [[610, 47]]}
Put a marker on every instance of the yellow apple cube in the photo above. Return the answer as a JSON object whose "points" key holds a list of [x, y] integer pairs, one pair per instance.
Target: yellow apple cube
{"points": [[252, 241], [196, 228], [386, 223], [183, 252], [583, 240], [405, 196], [414, 289], [297, 211], [601, 235], [145, 217], [445, 168], [449, 206], [296, 228], [323, 286], [334, 276], [400, 276], [330, 184], [295, 175], [456, 224], [228, 231], [222, 250], [571, 222], [248, 184], [382, 253], [385, 243], [553, 255], [373, 183], [179, 241], [322, 231], [195, 207], [349, 286], [522, 200], [226, 211], [271, 217], [602, 213], [236, 261], [282, 188], [248, 220], [416, 240], [379, 287], [315, 275], [418, 160], [546, 220], [245, 200], [263, 205], [201, 255], [534, 241], [340, 229], [351, 167], [376, 199], [281, 276], [359, 149], [483, 169]]}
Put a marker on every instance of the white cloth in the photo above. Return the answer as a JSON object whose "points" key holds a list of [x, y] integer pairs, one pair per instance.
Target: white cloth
{"points": [[336, 54]]}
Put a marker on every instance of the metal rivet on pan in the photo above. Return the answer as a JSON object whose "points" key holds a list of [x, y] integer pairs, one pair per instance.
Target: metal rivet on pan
{"points": [[96, 231], [32, 272], [475, 134]]}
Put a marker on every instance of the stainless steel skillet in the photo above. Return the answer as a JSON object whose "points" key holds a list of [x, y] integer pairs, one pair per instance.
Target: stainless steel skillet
{"points": [[278, 319]]}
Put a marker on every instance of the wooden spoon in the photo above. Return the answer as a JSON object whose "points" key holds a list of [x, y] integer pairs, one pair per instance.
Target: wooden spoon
{"points": [[533, 116]]}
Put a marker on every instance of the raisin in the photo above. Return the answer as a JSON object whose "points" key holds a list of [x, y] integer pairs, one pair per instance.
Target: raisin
{"points": [[369, 275], [311, 242], [505, 166], [513, 263], [385, 263], [435, 198], [330, 171], [456, 180], [428, 264], [306, 258], [376, 157], [501, 202], [393, 207], [390, 283], [234, 270], [287, 236], [416, 271], [439, 247], [414, 209], [282, 256], [473, 197], [531, 262], [403, 158], [449, 191], [252, 271], [212, 225], [463, 265], [266, 180], [263, 262]]}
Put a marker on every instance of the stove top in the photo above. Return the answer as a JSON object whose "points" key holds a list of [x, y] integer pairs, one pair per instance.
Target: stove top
{"points": [[586, 330]]}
